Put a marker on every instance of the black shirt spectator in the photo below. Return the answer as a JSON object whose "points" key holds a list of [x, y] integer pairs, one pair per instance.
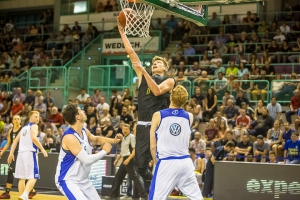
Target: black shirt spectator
{"points": [[126, 118], [106, 130], [241, 145], [108, 7], [240, 100]]}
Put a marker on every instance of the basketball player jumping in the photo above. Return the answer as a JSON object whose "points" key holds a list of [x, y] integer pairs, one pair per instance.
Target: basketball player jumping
{"points": [[153, 96], [75, 157], [169, 140], [27, 162]]}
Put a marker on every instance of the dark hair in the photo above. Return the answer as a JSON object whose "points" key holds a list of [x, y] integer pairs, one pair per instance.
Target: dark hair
{"points": [[230, 132], [295, 133], [212, 93], [227, 91], [274, 98], [82, 89], [70, 112], [192, 150], [230, 144], [96, 90]]}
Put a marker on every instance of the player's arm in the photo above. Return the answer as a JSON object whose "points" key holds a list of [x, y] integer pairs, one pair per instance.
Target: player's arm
{"points": [[132, 55], [7, 144], [160, 89], [12, 150], [154, 125], [34, 132], [70, 142], [99, 140]]}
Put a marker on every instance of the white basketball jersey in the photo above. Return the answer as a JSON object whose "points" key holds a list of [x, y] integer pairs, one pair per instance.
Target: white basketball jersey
{"points": [[25, 143], [173, 133], [69, 167]]}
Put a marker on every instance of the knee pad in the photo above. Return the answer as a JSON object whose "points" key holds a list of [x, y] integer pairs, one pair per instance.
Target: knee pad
{"points": [[10, 176]]}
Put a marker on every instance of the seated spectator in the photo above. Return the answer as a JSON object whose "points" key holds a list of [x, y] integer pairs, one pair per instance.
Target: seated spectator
{"points": [[292, 150], [232, 44], [294, 106], [197, 162], [19, 95], [30, 98], [182, 68], [127, 118], [210, 106], [254, 72], [247, 19], [65, 55], [96, 97], [274, 109], [241, 98], [92, 125], [211, 50], [92, 29], [65, 126], [219, 118], [277, 86], [100, 7], [211, 135], [260, 149], [274, 137], [195, 108], [248, 109], [258, 112], [230, 113], [76, 27], [272, 157], [107, 129], [285, 49], [108, 7], [243, 148], [202, 81], [115, 104], [41, 108], [126, 96], [198, 96], [220, 85], [225, 98], [223, 129], [279, 37], [195, 70], [229, 138], [204, 63], [262, 127], [115, 119], [261, 87], [105, 114], [242, 124], [49, 102], [198, 144], [25, 113], [56, 117], [219, 69], [295, 58], [246, 86], [263, 27], [17, 108], [242, 70], [215, 59], [232, 69], [82, 98]]}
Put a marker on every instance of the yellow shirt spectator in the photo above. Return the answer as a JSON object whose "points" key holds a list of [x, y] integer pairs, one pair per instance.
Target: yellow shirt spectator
{"points": [[230, 71]]}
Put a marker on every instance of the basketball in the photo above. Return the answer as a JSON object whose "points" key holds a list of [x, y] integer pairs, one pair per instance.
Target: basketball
{"points": [[122, 18]]}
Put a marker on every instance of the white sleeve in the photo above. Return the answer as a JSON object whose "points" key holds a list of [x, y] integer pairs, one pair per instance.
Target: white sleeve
{"points": [[88, 160]]}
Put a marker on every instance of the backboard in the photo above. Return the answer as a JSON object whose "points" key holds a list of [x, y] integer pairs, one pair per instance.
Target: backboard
{"points": [[197, 15]]}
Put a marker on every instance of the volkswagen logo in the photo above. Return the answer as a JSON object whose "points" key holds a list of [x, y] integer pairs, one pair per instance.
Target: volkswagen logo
{"points": [[175, 112], [175, 129]]}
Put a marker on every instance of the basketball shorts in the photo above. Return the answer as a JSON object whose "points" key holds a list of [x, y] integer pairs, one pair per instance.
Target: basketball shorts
{"points": [[166, 177], [142, 147], [78, 190], [27, 166]]}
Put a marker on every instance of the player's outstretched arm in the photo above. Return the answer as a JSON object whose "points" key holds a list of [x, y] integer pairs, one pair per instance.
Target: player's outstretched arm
{"points": [[99, 140], [157, 90], [7, 144], [35, 140], [132, 55], [12, 150], [154, 126], [70, 142]]}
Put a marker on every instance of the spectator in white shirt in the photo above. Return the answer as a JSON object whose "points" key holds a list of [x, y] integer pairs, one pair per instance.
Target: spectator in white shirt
{"points": [[83, 96], [101, 105], [279, 37], [198, 144]]}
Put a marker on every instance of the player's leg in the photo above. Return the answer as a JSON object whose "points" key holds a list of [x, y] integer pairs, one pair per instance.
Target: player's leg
{"points": [[187, 183], [71, 190], [164, 179], [10, 179], [21, 186], [89, 190], [20, 172]]}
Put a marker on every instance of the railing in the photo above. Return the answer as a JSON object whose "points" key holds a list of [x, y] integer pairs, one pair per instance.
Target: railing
{"points": [[20, 81], [75, 78], [108, 77]]}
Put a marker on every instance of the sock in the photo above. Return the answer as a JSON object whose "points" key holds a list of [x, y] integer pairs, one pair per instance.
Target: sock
{"points": [[7, 190], [25, 193]]}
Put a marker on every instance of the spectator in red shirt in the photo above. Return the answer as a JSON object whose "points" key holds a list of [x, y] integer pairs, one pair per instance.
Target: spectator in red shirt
{"points": [[16, 108], [56, 117], [211, 135], [242, 124], [294, 106]]}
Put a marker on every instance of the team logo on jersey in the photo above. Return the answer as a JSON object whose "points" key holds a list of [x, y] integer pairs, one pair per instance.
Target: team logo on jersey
{"points": [[175, 129], [148, 91], [175, 112]]}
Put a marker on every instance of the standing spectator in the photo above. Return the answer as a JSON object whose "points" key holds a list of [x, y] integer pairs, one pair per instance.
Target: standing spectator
{"points": [[260, 149], [96, 97], [82, 97], [172, 24], [16, 108], [292, 150], [56, 117], [294, 106], [19, 95], [214, 24], [108, 7], [198, 144], [41, 108], [274, 109]]}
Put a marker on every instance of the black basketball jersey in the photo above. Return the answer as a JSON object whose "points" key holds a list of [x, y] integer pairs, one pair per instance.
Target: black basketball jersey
{"points": [[148, 102], [12, 136]]}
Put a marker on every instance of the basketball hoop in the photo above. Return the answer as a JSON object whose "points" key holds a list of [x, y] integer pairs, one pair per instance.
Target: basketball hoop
{"points": [[138, 19]]}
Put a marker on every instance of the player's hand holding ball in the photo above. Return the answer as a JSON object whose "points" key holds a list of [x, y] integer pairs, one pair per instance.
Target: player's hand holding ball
{"points": [[10, 158], [44, 153], [106, 147]]}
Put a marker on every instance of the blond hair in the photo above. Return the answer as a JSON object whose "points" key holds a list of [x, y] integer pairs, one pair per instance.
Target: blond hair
{"points": [[33, 112], [165, 62], [126, 125], [38, 92], [179, 96]]}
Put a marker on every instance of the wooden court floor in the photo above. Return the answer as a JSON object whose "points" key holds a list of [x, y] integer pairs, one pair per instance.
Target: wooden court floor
{"points": [[15, 195]]}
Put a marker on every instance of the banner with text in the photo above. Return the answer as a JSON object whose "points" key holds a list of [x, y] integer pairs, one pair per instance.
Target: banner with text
{"points": [[115, 46]]}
